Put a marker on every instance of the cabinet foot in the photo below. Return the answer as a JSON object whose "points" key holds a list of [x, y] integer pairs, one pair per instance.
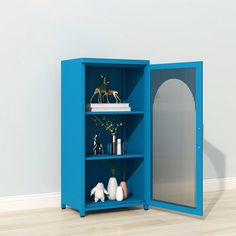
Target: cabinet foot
{"points": [[82, 213], [63, 206], [145, 207]]}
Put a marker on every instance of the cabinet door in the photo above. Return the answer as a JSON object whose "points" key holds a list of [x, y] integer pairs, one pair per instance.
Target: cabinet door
{"points": [[176, 160]]}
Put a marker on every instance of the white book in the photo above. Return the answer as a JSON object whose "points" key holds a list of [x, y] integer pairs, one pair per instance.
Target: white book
{"points": [[107, 105], [108, 109]]}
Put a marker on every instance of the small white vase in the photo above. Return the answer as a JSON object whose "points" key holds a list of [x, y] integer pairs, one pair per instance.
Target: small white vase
{"points": [[111, 188], [119, 194]]}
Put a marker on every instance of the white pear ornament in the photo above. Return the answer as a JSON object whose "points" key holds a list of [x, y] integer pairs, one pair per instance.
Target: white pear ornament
{"points": [[119, 194], [98, 192]]}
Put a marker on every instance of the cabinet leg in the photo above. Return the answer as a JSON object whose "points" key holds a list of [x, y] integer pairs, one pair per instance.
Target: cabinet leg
{"points": [[145, 207], [82, 213], [63, 206]]}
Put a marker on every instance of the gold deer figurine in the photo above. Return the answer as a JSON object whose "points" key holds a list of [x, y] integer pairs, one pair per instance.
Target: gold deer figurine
{"points": [[113, 93], [102, 90]]}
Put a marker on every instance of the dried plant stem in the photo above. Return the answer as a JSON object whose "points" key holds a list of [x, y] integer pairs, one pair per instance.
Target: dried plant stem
{"points": [[110, 126]]}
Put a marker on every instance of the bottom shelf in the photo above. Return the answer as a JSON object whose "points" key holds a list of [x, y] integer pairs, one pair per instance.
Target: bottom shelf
{"points": [[130, 201]]}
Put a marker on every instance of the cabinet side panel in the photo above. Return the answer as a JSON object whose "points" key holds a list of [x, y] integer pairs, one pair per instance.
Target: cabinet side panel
{"points": [[147, 134], [72, 136]]}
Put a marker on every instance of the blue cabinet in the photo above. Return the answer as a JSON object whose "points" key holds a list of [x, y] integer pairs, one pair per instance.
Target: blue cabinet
{"points": [[163, 158]]}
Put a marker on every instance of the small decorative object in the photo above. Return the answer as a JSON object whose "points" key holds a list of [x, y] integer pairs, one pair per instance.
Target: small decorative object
{"points": [[100, 149], [97, 147], [111, 188], [123, 185], [109, 148], [123, 148], [123, 182], [118, 149], [113, 145], [98, 192], [119, 194], [114, 93], [100, 90], [110, 126], [103, 91], [112, 183]]}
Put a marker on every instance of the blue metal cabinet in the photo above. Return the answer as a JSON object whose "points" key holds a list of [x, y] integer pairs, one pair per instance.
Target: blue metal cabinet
{"points": [[163, 161]]}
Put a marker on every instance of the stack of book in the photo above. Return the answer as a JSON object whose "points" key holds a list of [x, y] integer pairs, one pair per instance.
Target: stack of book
{"points": [[106, 107]]}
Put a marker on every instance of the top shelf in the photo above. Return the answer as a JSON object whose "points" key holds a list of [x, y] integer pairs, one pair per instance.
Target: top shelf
{"points": [[109, 62], [93, 113]]}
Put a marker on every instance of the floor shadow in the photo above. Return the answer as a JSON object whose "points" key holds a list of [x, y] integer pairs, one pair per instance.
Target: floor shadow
{"points": [[217, 159]]}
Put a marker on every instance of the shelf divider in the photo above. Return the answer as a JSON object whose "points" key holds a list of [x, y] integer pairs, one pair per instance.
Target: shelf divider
{"points": [[107, 157]]}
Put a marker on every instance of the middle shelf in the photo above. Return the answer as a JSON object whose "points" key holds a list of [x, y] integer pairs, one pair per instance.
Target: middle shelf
{"points": [[107, 157]]}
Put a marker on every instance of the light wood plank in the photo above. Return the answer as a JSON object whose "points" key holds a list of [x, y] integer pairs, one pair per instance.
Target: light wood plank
{"points": [[219, 219]]}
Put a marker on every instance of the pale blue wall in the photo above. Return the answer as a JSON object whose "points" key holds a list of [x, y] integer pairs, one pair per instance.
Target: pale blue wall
{"points": [[36, 35]]}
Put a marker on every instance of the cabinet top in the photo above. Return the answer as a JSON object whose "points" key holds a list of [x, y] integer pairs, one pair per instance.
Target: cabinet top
{"points": [[107, 61]]}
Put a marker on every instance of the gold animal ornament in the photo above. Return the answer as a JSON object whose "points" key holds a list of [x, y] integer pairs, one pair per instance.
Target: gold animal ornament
{"points": [[97, 147], [102, 90], [113, 93]]}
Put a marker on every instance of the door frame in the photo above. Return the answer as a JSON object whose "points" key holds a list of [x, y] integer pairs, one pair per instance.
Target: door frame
{"points": [[198, 210]]}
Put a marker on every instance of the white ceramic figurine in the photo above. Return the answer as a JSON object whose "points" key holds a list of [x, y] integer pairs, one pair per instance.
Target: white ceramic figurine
{"points": [[98, 192]]}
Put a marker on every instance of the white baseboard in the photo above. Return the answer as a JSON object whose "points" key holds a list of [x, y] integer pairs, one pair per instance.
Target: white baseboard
{"points": [[33, 201], [219, 184], [47, 200]]}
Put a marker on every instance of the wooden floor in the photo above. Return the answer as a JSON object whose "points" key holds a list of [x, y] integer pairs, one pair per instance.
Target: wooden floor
{"points": [[219, 219]]}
